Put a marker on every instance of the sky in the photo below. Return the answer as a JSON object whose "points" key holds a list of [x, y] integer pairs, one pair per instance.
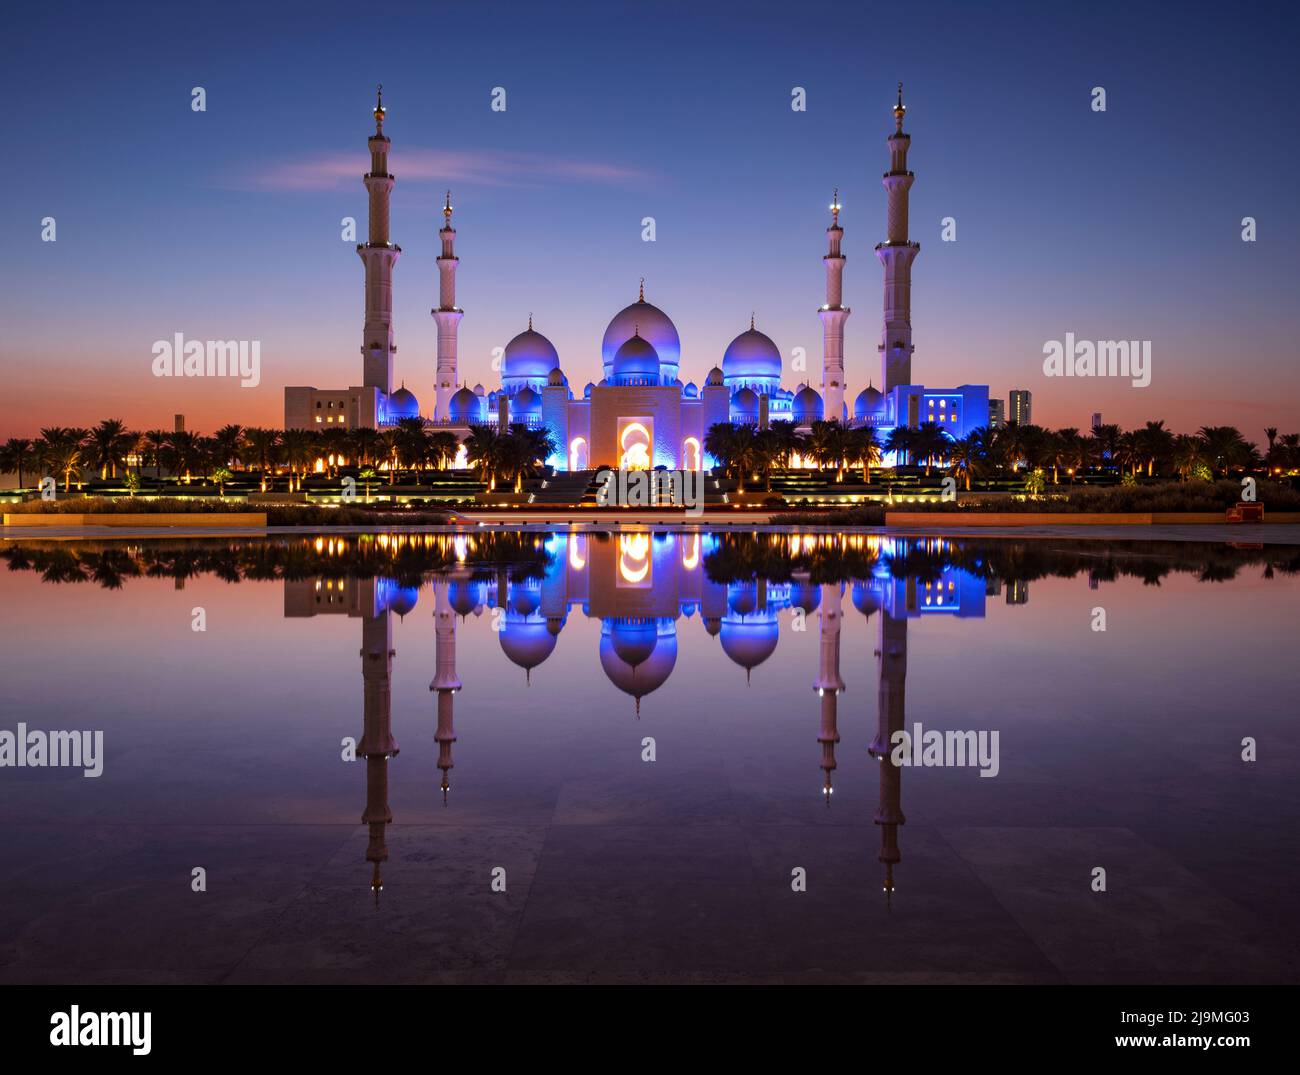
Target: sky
{"points": [[226, 223]]}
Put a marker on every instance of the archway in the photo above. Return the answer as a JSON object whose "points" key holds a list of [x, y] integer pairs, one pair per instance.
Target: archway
{"points": [[578, 454]]}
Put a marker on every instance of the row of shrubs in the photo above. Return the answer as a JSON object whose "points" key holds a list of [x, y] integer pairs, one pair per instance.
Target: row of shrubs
{"points": [[1167, 497], [276, 514]]}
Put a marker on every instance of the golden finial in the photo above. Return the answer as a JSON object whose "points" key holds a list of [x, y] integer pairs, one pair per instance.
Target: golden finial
{"points": [[899, 110], [446, 209], [379, 107], [530, 321], [641, 297], [835, 208], [751, 320]]}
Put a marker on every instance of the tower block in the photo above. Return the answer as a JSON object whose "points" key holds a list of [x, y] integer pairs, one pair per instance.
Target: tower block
{"points": [[896, 254], [379, 255], [833, 316], [447, 315]]}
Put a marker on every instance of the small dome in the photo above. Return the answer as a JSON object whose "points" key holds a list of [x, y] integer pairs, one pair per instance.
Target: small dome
{"points": [[805, 595], [865, 599], [478, 390], [652, 324], [529, 355], [714, 379], [586, 392], [750, 644], [751, 355], [464, 406], [691, 391], [465, 596], [403, 404], [527, 644], [526, 402], [744, 404], [869, 402], [556, 379], [808, 406], [638, 359]]}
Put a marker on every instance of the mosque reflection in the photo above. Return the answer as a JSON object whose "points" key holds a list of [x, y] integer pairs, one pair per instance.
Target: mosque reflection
{"points": [[641, 586]]}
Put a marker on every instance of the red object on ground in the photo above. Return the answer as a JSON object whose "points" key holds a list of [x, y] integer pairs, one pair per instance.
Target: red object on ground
{"points": [[1246, 512]]}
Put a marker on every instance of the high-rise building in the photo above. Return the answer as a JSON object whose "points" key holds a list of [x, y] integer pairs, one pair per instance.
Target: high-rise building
{"points": [[997, 413], [1020, 409], [1096, 419]]}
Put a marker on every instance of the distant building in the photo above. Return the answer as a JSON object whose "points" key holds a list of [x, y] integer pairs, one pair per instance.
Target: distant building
{"points": [[997, 413], [180, 423], [1021, 411], [1096, 419]]}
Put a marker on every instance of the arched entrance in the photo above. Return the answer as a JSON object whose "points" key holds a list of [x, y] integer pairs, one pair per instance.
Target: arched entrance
{"points": [[578, 453]]}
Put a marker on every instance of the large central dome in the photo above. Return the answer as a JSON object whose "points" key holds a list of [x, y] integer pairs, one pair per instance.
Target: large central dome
{"points": [[751, 356], [654, 326], [529, 355]]}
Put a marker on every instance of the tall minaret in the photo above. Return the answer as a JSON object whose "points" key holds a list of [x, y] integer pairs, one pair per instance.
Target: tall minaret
{"points": [[377, 744], [891, 704], [447, 315], [379, 255], [896, 254], [833, 316]]}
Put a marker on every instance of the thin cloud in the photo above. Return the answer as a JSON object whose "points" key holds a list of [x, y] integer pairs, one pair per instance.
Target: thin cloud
{"points": [[484, 167]]}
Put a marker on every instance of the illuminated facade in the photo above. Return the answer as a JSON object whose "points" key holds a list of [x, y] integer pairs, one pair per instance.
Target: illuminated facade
{"points": [[640, 414]]}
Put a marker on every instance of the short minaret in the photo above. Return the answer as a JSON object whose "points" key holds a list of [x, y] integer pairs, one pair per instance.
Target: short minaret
{"points": [[896, 254], [447, 315], [379, 256], [833, 316]]}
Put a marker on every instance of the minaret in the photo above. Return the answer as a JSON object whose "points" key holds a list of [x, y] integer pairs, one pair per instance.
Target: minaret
{"points": [[445, 681], [896, 254], [833, 316], [447, 315], [379, 255], [829, 684]]}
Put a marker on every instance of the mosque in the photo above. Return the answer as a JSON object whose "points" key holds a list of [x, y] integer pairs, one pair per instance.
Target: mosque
{"points": [[640, 414]]}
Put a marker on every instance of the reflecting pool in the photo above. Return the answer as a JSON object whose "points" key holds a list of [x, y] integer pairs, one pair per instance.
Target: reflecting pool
{"points": [[649, 757]]}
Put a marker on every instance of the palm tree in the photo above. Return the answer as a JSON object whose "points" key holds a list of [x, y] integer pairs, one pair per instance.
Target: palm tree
{"points": [[1187, 454], [963, 455], [412, 444], [864, 447], [364, 440], [1156, 442], [16, 453], [153, 444], [442, 448], [262, 445], [229, 444], [483, 450], [296, 445], [183, 449], [899, 442], [390, 448], [930, 443], [1224, 447], [367, 475], [1105, 443], [720, 443], [66, 459], [828, 444], [788, 440], [106, 446]]}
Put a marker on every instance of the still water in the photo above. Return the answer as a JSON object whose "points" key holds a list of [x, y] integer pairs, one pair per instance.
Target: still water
{"points": [[651, 757]]}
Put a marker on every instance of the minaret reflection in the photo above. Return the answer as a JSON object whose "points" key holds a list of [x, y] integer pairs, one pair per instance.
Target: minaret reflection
{"points": [[377, 744], [891, 664], [829, 684], [445, 680]]}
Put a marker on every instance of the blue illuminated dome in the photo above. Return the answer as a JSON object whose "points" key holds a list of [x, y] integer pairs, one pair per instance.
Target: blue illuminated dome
{"points": [[653, 325], [808, 406], [691, 391], [744, 405], [869, 402], [556, 378], [396, 598], [751, 356], [528, 642], [464, 407], [714, 378], [525, 403], [638, 655], [403, 404], [530, 355], [636, 361]]}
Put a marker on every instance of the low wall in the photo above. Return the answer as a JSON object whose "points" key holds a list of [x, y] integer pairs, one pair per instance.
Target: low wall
{"points": [[1072, 518], [139, 519]]}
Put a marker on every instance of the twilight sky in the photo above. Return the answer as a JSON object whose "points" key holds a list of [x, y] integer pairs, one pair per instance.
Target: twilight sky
{"points": [[226, 223]]}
